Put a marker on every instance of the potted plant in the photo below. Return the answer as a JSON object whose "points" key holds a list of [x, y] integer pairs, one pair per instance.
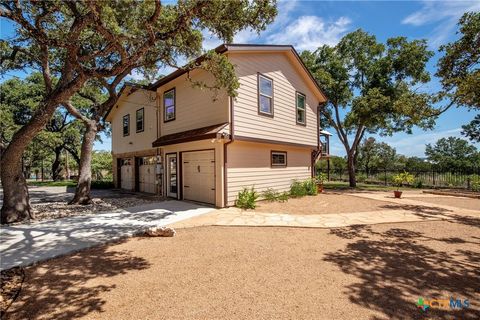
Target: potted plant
{"points": [[319, 180], [401, 179]]}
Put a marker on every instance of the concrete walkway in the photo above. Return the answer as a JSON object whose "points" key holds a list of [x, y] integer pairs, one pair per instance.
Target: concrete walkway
{"points": [[401, 210], [24, 244]]}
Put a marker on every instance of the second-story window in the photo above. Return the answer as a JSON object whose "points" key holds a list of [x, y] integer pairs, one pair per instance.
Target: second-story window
{"points": [[301, 114], [169, 105], [126, 125], [140, 119], [265, 95]]}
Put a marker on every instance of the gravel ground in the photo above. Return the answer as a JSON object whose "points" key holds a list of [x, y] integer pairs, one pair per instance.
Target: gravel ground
{"points": [[328, 202], [60, 209], [464, 203], [364, 272]]}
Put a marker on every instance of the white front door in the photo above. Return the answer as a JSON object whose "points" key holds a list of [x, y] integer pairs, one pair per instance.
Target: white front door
{"points": [[171, 166], [199, 176]]}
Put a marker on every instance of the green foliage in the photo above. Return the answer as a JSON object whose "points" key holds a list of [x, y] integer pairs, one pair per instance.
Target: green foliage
{"points": [[297, 189], [472, 129], [475, 182], [453, 153], [101, 164], [283, 197], [270, 194], [459, 67], [102, 184], [417, 183], [402, 179], [310, 187], [321, 178], [247, 198]]}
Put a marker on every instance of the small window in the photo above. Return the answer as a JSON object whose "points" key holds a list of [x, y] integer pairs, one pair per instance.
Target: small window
{"points": [[265, 95], [169, 105], [139, 119], [126, 125], [301, 115], [279, 159]]}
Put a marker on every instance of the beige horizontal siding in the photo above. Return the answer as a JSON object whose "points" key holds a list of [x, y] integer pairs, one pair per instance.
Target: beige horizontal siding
{"points": [[129, 105], [194, 107], [248, 165], [286, 81]]}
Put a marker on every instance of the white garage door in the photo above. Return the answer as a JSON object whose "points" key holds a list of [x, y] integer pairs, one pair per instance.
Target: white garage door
{"points": [[126, 174], [199, 176], [146, 175]]}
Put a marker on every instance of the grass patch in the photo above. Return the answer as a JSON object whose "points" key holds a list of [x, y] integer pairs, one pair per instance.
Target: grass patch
{"points": [[340, 185], [64, 183]]}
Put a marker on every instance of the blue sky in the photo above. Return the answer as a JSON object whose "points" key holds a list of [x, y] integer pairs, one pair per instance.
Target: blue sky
{"points": [[309, 24]]}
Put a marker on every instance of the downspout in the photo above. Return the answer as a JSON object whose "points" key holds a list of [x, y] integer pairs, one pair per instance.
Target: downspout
{"points": [[232, 135]]}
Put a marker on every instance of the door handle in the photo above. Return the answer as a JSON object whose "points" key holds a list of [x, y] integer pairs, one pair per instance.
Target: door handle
{"points": [[198, 168]]}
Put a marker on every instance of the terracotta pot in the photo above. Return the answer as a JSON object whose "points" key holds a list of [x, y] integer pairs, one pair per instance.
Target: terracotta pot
{"points": [[398, 194], [319, 188]]}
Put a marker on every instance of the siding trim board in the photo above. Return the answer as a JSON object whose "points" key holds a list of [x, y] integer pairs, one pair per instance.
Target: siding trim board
{"points": [[259, 140]]}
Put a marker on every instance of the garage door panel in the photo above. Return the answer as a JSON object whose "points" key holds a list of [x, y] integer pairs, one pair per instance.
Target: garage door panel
{"points": [[199, 176]]}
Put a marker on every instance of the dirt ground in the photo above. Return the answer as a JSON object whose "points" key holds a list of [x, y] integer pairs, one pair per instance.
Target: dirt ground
{"points": [[328, 202], [363, 272], [464, 203]]}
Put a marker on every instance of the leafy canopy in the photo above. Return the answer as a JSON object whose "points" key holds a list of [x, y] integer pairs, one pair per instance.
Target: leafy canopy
{"points": [[453, 153]]}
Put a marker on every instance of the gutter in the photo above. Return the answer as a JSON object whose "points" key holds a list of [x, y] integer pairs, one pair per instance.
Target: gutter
{"points": [[225, 147]]}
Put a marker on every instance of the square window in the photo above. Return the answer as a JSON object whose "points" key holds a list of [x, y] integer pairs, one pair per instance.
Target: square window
{"points": [[279, 158]]}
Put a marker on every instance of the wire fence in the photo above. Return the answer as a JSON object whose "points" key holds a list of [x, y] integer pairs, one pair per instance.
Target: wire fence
{"points": [[459, 179]]}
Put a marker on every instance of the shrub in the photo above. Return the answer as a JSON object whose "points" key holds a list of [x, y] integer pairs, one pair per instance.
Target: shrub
{"points": [[361, 177], [102, 184], [247, 198], [297, 189], [475, 182], [418, 184], [283, 197], [310, 187], [402, 178], [270, 194], [321, 178]]}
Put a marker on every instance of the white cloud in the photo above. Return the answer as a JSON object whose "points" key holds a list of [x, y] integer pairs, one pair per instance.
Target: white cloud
{"points": [[310, 32], [446, 13], [305, 32]]}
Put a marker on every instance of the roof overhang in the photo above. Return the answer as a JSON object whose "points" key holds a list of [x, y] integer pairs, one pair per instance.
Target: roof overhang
{"points": [[210, 132]]}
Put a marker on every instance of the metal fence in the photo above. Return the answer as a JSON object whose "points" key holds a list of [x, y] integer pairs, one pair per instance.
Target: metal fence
{"points": [[423, 179]]}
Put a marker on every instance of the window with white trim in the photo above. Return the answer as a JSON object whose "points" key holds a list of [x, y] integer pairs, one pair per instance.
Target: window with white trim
{"points": [[265, 95], [126, 125], [169, 105], [301, 108], [139, 119], [279, 158]]}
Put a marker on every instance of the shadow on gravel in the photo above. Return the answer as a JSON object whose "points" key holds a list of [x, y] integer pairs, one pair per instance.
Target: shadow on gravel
{"points": [[396, 267], [59, 289]]}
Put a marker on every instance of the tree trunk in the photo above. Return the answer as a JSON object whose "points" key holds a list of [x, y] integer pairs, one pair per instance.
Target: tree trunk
{"points": [[16, 202], [82, 192], [56, 168], [351, 170]]}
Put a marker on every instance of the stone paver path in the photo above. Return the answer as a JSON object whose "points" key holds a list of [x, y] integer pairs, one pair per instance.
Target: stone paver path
{"points": [[24, 244], [401, 210]]}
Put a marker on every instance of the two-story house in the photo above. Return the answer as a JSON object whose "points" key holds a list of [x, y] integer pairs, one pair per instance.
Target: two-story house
{"points": [[174, 140]]}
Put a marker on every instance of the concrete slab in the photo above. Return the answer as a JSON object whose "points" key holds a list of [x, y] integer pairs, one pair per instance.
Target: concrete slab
{"points": [[25, 244]]}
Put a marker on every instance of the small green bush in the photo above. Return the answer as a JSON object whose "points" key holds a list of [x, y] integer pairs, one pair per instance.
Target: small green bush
{"points": [[418, 184], [475, 182], [270, 194], [403, 178], [283, 197], [310, 187], [102, 184], [297, 189], [247, 198]]}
